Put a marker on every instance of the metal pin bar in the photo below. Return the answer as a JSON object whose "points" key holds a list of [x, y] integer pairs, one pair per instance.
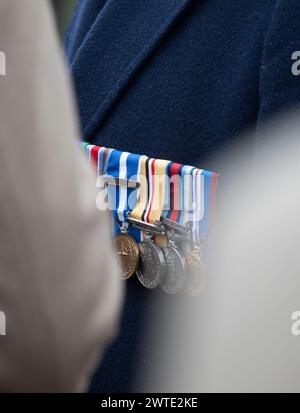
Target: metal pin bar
{"points": [[182, 229], [145, 226], [110, 180]]}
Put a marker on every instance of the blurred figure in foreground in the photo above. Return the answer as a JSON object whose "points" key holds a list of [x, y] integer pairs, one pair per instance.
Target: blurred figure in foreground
{"points": [[58, 286], [243, 334], [63, 10]]}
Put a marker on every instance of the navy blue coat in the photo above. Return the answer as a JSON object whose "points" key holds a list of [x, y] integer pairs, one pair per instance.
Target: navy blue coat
{"points": [[179, 80]]}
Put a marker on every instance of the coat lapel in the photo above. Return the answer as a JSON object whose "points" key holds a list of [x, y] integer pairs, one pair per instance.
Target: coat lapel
{"points": [[122, 36]]}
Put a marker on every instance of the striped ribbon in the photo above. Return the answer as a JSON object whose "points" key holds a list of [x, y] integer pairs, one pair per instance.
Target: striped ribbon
{"points": [[123, 165], [181, 193]]}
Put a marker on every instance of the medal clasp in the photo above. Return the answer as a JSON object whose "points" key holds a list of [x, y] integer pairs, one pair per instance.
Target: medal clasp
{"points": [[129, 183], [153, 229]]}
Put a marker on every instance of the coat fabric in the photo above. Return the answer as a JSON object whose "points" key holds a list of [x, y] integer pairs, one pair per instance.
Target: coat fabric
{"points": [[178, 80]]}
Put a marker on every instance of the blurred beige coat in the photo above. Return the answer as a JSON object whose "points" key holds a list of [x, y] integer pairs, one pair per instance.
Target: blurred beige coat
{"points": [[58, 287]]}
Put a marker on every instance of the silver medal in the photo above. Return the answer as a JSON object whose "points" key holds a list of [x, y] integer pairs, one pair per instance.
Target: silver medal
{"points": [[173, 280], [152, 265]]}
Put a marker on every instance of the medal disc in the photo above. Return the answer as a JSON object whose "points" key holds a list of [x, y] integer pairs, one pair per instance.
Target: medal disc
{"points": [[173, 280], [152, 265], [127, 252], [194, 280]]}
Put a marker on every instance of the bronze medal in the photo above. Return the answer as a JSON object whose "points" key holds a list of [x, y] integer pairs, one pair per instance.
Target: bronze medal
{"points": [[127, 252]]}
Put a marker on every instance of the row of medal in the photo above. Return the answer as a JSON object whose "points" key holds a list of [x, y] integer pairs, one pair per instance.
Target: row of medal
{"points": [[166, 258], [160, 222]]}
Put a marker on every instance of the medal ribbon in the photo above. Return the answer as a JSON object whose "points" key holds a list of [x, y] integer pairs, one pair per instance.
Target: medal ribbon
{"points": [[157, 177], [186, 194], [210, 186], [152, 178], [122, 165], [188, 198], [138, 211], [198, 204], [174, 211]]}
